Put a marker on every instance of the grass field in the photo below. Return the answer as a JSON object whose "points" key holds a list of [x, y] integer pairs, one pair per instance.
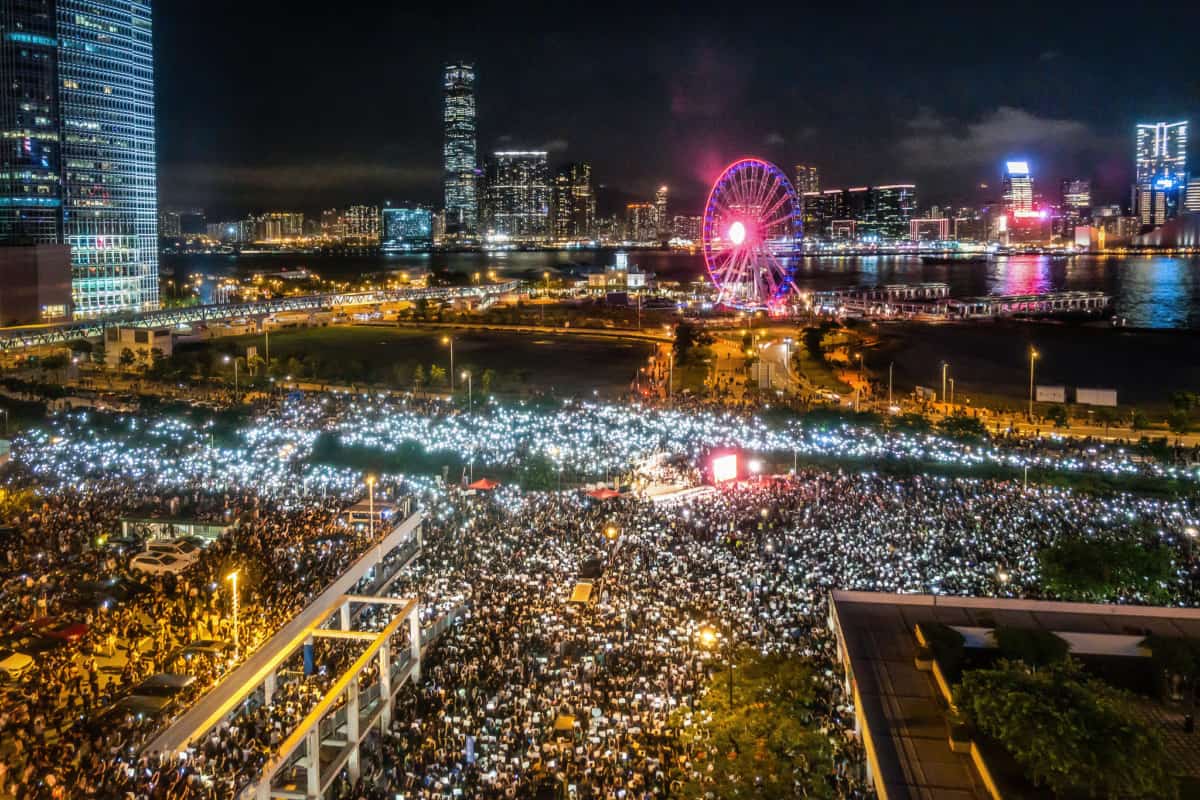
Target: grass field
{"points": [[518, 363]]}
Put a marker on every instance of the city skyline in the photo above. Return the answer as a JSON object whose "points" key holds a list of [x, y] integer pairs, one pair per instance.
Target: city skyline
{"points": [[672, 104]]}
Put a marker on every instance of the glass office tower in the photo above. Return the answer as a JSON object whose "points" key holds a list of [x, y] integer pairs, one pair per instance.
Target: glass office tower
{"points": [[458, 149], [109, 193], [30, 192]]}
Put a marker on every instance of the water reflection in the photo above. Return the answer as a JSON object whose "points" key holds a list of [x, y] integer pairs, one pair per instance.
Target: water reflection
{"points": [[1148, 291]]}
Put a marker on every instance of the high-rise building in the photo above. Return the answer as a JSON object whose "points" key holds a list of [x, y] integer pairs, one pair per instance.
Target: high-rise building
{"points": [[1018, 187], [518, 195], [30, 163], [407, 228], [458, 149], [110, 196], [662, 223], [78, 148], [278, 225], [890, 209], [574, 202], [686, 228], [641, 222], [333, 223], [170, 225], [362, 226], [807, 179], [1192, 199], [1161, 171], [1076, 195]]}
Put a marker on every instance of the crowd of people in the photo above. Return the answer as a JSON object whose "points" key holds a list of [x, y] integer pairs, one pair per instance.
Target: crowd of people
{"points": [[527, 693]]}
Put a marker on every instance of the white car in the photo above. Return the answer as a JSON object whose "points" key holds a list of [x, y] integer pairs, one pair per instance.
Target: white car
{"points": [[158, 563], [14, 665], [180, 548]]}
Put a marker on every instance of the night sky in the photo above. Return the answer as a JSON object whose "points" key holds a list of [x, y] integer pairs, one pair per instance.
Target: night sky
{"points": [[303, 104]]}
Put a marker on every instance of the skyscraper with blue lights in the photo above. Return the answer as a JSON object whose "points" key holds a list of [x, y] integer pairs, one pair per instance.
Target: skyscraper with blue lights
{"points": [[30, 167], [109, 192], [406, 229], [458, 150]]}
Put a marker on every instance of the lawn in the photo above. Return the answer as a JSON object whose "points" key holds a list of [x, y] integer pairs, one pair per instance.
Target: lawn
{"points": [[516, 363]]}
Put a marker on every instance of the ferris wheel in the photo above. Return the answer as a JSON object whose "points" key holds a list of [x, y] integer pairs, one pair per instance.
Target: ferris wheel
{"points": [[751, 234]]}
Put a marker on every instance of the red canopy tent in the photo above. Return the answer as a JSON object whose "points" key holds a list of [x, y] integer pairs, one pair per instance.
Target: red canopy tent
{"points": [[483, 484], [603, 494]]}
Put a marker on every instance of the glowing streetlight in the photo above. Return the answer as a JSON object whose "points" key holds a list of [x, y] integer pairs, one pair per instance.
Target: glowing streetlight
{"points": [[709, 640], [371, 505], [1033, 356], [449, 340], [233, 578], [235, 360], [466, 376]]}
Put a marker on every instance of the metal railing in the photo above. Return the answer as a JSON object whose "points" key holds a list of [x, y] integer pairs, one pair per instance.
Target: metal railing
{"points": [[91, 329]]}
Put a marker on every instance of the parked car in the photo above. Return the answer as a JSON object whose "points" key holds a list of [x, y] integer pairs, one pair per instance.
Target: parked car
{"points": [[13, 665], [180, 548], [164, 684], [30, 642], [61, 629], [153, 563], [107, 592]]}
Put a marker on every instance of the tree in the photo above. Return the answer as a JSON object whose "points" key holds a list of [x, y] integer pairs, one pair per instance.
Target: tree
{"points": [[1058, 415], [688, 341], [814, 339], [486, 380], [767, 744], [437, 374], [1138, 420], [126, 359], [1179, 421], [1099, 570], [418, 378], [1034, 648], [960, 426], [1074, 736]]}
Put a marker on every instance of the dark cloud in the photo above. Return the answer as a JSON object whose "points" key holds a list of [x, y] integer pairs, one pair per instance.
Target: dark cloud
{"points": [[934, 142]]}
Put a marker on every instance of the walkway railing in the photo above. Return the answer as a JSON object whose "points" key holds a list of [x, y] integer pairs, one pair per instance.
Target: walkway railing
{"points": [[91, 329]]}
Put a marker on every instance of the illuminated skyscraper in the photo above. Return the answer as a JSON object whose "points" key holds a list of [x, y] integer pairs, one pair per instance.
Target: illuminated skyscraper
{"points": [[1076, 195], [458, 149], [1192, 200], [1161, 171], [77, 156], [1018, 187], [110, 195], [641, 224], [30, 167], [518, 194], [408, 228], [662, 223], [807, 179], [574, 202]]}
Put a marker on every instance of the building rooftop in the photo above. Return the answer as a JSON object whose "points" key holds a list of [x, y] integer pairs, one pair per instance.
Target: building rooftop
{"points": [[899, 712]]}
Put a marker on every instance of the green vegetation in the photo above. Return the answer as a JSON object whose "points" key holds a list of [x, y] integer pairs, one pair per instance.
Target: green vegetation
{"points": [[1075, 736], [767, 744], [1034, 648], [410, 359], [1096, 570]]}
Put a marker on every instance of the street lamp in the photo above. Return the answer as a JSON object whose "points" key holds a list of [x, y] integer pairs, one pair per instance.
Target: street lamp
{"points": [[1191, 534], [371, 505], [235, 360], [1033, 356], [945, 366], [952, 393], [709, 640], [233, 578], [449, 340], [466, 375]]}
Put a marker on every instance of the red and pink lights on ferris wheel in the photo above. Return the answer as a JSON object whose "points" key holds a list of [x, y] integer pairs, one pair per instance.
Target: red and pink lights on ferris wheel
{"points": [[751, 234]]}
